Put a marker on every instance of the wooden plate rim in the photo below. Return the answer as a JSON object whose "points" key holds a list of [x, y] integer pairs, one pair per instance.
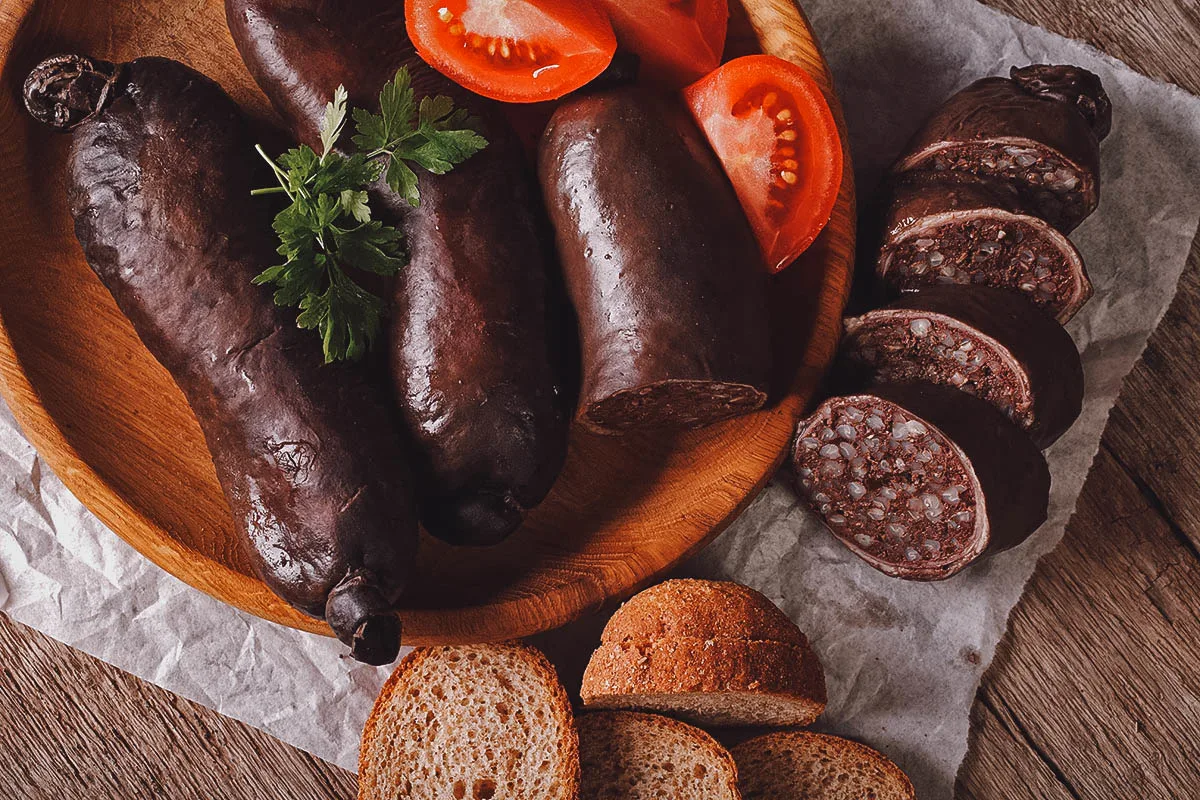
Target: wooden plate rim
{"points": [[524, 616]]}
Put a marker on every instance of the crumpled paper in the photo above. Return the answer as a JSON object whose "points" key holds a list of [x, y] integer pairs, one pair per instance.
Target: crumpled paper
{"points": [[903, 660]]}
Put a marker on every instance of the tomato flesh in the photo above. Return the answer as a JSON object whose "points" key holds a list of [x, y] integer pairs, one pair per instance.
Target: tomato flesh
{"points": [[518, 51], [678, 41], [772, 128]]}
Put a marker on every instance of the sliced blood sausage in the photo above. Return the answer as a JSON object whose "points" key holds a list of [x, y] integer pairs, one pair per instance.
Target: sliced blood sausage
{"points": [[1039, 129], [308, 456], [660, 264], [986, 342], [920, 480], [1073, 85], [471, 352], [953, 228]]}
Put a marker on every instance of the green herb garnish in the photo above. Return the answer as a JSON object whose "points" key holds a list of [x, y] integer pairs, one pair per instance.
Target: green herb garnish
{"points": [[327, 225]]}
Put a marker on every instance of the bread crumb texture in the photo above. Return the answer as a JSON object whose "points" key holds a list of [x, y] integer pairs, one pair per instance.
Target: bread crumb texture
{"points": [[798, 765], [485, 722], [631, 756]]}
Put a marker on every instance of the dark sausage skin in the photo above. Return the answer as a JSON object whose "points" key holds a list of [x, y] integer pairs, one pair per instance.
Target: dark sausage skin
{"points": [[660, 263], [1040, 129], [471, 355], [987, 342], [308, 455]]}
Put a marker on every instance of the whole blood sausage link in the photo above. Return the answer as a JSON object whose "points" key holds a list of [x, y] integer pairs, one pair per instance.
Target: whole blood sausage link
{"points": [[920, 480], [660, 264], [470, 340], [307, 455]]}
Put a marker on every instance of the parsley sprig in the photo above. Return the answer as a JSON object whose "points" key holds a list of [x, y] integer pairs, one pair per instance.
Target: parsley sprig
{"points": [[327, 225]]}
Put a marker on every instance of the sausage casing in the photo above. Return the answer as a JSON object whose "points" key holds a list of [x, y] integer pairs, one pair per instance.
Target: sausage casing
{"points": [[661, 265], [471, 356], [307, 455]]}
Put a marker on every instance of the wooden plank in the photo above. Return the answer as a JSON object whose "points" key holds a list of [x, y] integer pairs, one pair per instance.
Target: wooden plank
{"points": [[1090, 736], [1159, 413], [76, 727], [1159, 38], [1001, 751], [1098, 672]]}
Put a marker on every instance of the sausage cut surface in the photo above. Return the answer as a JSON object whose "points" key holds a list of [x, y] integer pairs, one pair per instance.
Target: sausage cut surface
{"points": [[954, 229], [986, 342], [919, 481]]}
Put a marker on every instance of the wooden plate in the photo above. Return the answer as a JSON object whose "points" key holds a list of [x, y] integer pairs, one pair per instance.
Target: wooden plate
{"points": [[114, 427]]}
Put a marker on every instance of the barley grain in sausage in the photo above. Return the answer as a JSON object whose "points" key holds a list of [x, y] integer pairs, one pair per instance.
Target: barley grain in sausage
{"points": [[920, 480]]}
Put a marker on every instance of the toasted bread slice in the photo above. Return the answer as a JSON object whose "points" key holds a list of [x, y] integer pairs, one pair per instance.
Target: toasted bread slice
{"points": [[698, 609], [484, 722], [798, 765], [715, 682], [631, 756]]}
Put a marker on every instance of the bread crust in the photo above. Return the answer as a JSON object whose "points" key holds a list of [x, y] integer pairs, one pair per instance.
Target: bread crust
{"points": [[701, 609], [393, 691], [678, 665]]}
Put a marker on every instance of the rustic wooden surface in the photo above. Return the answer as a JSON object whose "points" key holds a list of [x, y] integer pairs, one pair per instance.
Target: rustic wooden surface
{"points": [[1095, 692], [110, 422]]}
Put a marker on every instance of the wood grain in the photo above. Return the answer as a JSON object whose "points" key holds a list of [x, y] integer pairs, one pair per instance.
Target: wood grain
{"points": [[115, 428], [75, 727], [1032, 724], [1094, 691], [1097, 685]]}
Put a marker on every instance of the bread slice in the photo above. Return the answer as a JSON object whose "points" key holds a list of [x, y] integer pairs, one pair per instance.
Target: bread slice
{"points": [[709, 652], [798, 765], [631, 756], [715, 682], [699, 609], [482, 722]]}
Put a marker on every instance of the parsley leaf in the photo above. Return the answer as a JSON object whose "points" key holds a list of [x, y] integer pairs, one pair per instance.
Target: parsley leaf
{"points": [[335, 118], [379, 132], [435, 137], [340, 173], [440, 143], [327, 226], [403, 181], [355, 204], [372, 247], [345, 315]]}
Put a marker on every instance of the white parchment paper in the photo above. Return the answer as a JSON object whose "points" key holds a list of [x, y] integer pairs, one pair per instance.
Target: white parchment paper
{"points": [[903, 660]]}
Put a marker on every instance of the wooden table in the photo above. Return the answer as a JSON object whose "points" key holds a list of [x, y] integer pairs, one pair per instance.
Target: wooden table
{"points": [[1094, 693]]}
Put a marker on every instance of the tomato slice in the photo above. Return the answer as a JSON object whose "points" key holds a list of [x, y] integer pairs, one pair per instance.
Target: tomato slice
{"points": [[770, 125], [679, 41], [519, 51]]}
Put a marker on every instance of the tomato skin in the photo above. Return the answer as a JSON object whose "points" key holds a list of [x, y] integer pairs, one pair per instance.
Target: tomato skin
{"points": [[777, 138], [525, 51], [678, 41]]}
